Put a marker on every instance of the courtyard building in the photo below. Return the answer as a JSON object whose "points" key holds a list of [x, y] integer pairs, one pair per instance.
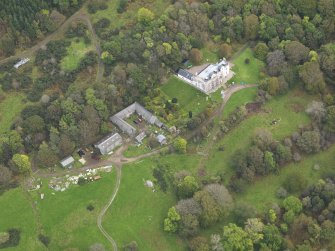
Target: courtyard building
{"points": [[119, 118]]}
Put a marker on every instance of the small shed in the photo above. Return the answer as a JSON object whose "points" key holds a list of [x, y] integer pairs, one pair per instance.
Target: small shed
{"points": [[21, 62], [140, 137], [161, 139], [67, 162]]}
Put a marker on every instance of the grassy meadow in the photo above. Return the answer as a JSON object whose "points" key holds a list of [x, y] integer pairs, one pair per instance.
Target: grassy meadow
{"points": [[61, 216], [17, 212], [75, 53], [246, 73], [239, 98], [10, 107], [262, 193], [283, 108], [137, 213]]}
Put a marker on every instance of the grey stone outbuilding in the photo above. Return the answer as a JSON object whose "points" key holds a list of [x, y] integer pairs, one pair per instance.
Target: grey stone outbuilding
{"points": [[109, 143]]}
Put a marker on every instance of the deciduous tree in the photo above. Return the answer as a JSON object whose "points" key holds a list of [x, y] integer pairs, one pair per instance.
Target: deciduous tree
{"points": [[22, 162]]}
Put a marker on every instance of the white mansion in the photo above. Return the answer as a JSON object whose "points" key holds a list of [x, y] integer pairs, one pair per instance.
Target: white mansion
{"points": [[209, 78]]}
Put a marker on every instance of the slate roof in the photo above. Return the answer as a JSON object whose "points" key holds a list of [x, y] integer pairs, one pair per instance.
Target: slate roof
{"points": [[185, 74], [207, 73], [67, 161], [140, 137], [108, 140], [161, 138]]}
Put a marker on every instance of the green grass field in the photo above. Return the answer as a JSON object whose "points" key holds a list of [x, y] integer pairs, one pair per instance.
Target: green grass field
{"points": [[263, 193], [63, 216], [16, 212], [67, 221], [134, 150], [189, 98], [288, 108], [10, 107], [247, 73], [239, 98], [75, 53], [137, 213]]}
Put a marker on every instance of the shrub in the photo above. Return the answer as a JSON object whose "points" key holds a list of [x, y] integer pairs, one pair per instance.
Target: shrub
{"points": [[295, 182], [81, 181], [13, 240], [281, 192], [4, 237], [122, 7], [132, 246], [44, 239], [90, 207]]}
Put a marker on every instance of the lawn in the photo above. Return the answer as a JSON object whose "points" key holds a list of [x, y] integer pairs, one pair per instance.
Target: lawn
{"points": [[137, 213], [189, 98], [66, 220], [239, 98], [63, 216], [263, 193], [289, 109], [10, 107], [16, 212], [246, 73], [134, 150], [75, 53]]}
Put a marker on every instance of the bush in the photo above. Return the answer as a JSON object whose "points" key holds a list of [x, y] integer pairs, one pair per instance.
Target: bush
{"points": [[44, 239], [281, 193], [90, 207], [132, 246], [122, 7], [4, 237], [13, 240], [295, 182], [81, 181]]}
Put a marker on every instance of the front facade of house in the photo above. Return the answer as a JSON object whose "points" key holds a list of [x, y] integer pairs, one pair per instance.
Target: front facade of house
{"points": [[109, 143], [209, 79]]}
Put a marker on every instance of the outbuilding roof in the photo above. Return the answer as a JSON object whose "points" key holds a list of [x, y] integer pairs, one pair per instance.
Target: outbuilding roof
{"points": [[67, 161], [185, 74], [161, 138], [108, 140]]}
